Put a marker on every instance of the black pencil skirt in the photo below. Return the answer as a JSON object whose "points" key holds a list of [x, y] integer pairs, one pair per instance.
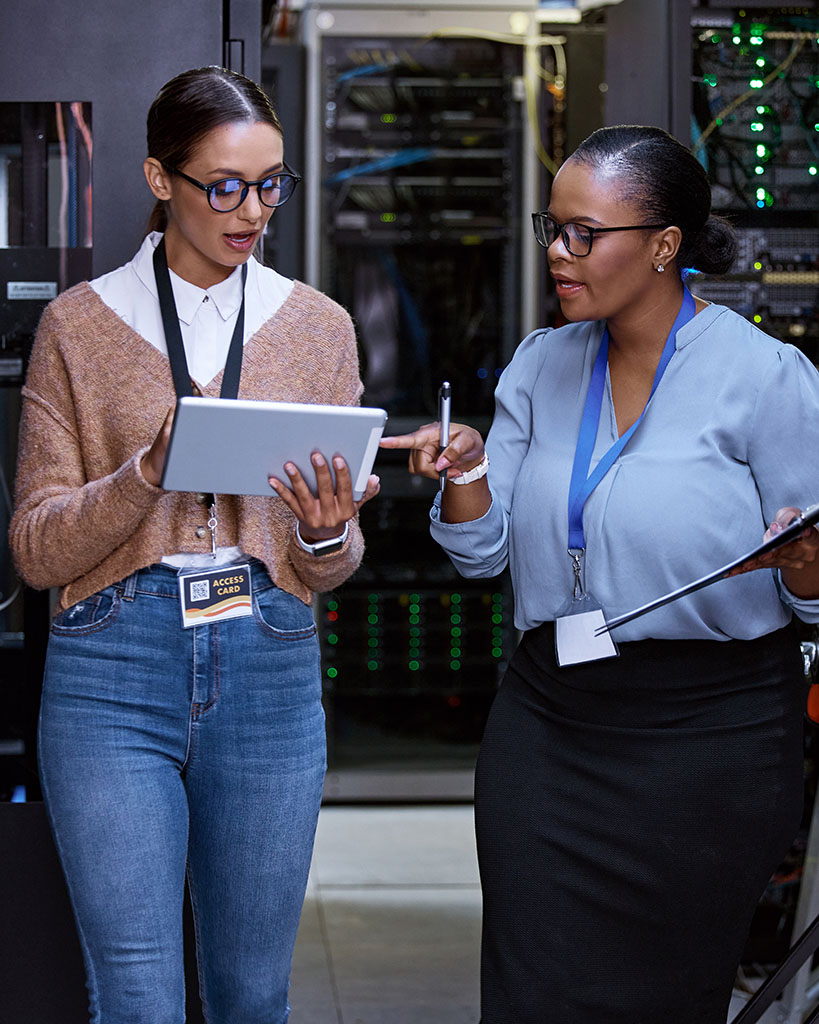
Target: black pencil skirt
{"points": [[629, 814]]}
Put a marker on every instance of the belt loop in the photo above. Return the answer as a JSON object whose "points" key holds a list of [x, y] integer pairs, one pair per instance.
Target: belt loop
{"points": [[130, 586]]}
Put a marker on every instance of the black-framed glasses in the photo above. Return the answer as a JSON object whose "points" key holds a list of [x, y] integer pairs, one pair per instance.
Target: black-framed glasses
{"points": [[229, 193], [578, 238]]}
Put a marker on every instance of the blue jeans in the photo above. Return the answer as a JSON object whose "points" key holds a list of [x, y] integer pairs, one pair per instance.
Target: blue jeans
{"points": [[166, 750]]}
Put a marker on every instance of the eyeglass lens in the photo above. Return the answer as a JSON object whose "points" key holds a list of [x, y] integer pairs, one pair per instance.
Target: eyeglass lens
{"points": [[576, 237], [273, 191]]}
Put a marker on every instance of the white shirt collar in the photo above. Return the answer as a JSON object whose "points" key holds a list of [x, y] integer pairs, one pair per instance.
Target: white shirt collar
{"points": [[226, 296]]}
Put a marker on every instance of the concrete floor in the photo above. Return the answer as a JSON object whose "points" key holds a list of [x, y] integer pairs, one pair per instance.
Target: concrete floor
{"points": [[390, 932]]}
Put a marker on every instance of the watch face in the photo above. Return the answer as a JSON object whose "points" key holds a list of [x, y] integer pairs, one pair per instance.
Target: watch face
{"points": [[327, 546]]}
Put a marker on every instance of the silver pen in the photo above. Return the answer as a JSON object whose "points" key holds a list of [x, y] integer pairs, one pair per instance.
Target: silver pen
{"points": [[444, 407]]}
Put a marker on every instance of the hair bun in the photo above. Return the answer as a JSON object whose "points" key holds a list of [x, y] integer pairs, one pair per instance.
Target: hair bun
{"points": [[713, 249]]}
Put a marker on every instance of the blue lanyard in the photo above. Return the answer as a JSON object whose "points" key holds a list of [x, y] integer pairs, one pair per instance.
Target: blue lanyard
{"points": [[582, 483]]}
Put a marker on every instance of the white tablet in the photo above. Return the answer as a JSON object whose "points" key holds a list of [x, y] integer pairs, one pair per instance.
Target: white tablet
{"points": [[232, 445]]}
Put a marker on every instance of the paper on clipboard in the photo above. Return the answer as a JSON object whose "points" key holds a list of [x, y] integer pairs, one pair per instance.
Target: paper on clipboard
{"points": [[808, 518]]}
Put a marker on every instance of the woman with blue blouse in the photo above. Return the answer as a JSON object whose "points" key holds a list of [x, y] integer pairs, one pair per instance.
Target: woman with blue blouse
{"points": [[634, 794]]}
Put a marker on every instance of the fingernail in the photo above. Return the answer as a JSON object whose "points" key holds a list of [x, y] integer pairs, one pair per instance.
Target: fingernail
{"points": [[318, 459], [338, 462], [289, 468]]}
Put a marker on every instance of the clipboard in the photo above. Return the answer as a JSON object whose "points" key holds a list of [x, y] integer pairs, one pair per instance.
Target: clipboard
{"points": [[808, 518]]}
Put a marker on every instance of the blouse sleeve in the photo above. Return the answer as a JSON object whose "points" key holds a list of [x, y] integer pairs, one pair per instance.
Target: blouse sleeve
{"points": [[784, 448], [481, 547]]}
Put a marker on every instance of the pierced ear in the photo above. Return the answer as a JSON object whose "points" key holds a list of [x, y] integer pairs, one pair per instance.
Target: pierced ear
{"points": [[668, 245], [159, 181]]}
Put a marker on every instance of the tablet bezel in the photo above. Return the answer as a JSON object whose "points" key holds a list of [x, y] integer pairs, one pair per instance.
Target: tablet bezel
{"points": [[232, 445]]}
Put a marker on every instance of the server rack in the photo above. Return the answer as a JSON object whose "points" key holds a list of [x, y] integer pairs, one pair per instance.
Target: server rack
{"points": [[421, 177], [755, 128]]}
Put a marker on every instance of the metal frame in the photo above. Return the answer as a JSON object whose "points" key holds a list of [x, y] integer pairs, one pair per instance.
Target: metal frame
{"points": [[339, 18]]}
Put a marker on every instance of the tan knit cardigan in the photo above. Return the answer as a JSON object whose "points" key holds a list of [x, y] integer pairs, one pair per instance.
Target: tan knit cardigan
{"points": [[95, 396]]}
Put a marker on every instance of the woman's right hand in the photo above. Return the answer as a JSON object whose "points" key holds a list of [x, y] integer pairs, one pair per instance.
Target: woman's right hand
{"points": [[153, 461], [464, 451]]}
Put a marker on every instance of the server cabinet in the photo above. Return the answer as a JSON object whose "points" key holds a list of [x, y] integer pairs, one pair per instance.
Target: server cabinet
{"points": [[420, 180]]}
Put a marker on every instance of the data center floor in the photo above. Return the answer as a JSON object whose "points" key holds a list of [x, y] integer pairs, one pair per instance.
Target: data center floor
{"points": [[390, 932]]}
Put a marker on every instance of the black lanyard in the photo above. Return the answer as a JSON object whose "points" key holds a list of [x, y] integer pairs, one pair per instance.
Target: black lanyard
{"points": [[173, 335]]}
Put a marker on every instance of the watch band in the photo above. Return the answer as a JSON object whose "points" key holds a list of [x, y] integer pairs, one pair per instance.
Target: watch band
{"points": [[324, 547], [471, 475]]}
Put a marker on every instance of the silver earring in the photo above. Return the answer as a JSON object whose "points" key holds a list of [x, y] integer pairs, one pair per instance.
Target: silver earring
{"points": [[660, 268]]}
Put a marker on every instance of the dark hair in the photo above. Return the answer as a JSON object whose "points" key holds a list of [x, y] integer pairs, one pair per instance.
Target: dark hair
{"points": [[659, 174], [191, 105]]}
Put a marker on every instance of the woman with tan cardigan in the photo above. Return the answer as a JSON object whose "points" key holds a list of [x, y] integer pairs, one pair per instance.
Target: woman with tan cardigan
{"points": [[169, 751]]}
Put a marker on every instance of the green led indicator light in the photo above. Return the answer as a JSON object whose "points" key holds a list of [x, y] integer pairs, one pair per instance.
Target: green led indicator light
{"points": [[736, 40], [757, 126], [373, 641], [414, 609], [812, 170], [757, 265], [332, 606], [710, 80], [372, 619], [332, 672], [372, 665], [497, 652], [756, 83], [456, 599], [759, 170], [454, 665], [761, 151], [757, 318], [414, 619], [455, 631], [414, 666], [415, 631], [332, 638], [497, 618], [455, 619], [761, 62], [716, 39], [388, 118]]}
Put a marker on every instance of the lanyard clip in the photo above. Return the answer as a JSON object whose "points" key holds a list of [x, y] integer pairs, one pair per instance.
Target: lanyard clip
{"points": [[576, 555], [213, 522]]}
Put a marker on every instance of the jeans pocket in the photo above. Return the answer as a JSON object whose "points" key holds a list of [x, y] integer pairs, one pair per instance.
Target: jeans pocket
{"points": [[282, 615], [94, 613]]}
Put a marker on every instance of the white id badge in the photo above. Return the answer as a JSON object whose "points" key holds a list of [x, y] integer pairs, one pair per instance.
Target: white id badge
{"points": [[575, 640], [215, 595]]}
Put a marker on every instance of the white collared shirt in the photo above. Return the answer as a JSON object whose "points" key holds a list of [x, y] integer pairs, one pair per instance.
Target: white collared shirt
{"points": [[207, 316]]}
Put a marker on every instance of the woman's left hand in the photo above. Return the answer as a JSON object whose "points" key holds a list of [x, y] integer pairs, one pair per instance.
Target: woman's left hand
{"points": [[799, 560], [322, 516]]}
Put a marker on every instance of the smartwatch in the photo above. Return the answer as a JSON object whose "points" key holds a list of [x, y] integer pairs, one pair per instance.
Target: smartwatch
{"points": [[324, 547]]}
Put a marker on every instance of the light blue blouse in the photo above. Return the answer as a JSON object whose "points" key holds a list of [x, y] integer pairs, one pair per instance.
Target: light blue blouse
{"points": [[730, 436]]}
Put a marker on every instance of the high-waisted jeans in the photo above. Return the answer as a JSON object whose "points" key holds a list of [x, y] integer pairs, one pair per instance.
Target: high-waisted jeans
{"points": [[166, 750]]}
